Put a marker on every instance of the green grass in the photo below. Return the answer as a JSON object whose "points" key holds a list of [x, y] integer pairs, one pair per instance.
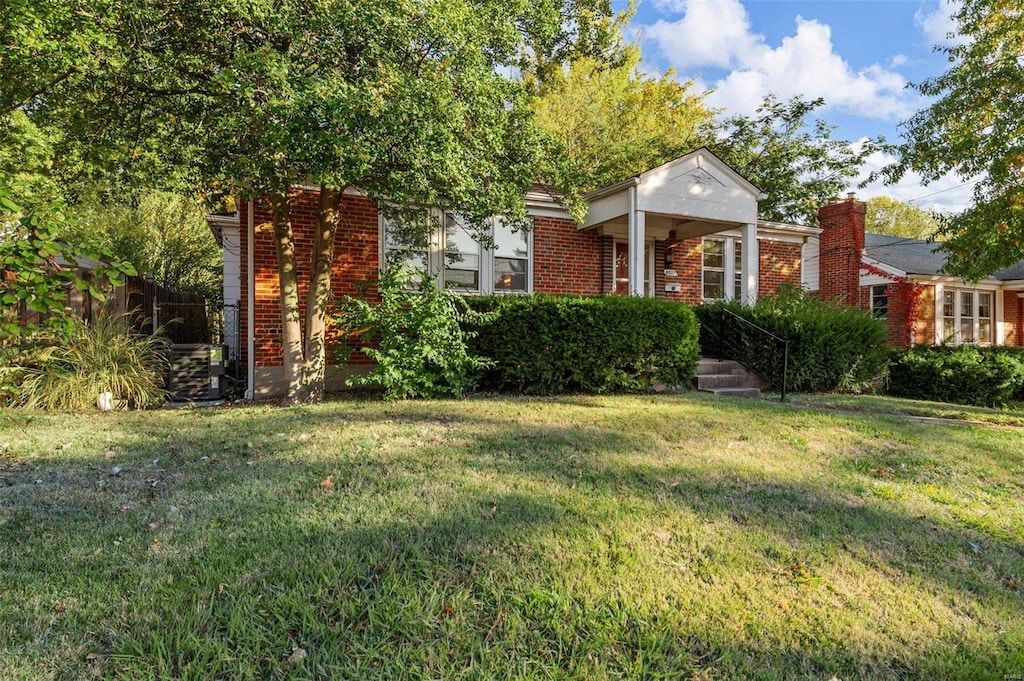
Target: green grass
{"points": [[576, 538], [1012, 416]]}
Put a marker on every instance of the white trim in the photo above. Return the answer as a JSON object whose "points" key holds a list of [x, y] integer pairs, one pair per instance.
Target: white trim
{"points": [[250, 265], [750, 265]]}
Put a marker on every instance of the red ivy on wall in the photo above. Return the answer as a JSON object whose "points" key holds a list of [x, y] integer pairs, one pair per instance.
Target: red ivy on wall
{"points": [[906, 291]]}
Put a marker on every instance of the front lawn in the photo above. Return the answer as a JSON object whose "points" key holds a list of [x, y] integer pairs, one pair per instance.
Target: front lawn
{"points": [[582, 537]]}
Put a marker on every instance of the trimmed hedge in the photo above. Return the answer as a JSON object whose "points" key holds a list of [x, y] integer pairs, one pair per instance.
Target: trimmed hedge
{"points": [[982, 376], [830, 348], [557, 344]]}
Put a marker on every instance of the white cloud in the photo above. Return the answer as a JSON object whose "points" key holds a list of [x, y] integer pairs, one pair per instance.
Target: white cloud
{"points": [[718, 34], [937, 22], [949, 194]]}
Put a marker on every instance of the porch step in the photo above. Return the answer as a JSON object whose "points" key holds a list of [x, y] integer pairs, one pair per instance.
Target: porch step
{"points": [[727, 378]]}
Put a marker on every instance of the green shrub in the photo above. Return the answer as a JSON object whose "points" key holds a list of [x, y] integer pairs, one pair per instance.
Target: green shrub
{"points": [[962, 375], [103, 356], [557, 344], [416, 337], [830, 348]]}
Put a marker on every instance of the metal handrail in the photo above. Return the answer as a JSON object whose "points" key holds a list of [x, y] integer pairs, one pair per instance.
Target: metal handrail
{"points": [[781, 383]]}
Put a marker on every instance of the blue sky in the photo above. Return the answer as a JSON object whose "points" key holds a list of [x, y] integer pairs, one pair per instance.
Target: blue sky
{"points": [[856, 54]]}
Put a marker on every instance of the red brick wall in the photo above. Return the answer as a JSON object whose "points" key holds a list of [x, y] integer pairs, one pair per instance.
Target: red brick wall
{"points": [[899, 327], [779, 265], [1013, 318], [842, 241], [924, 327], [567, 260], [355, 263], [687, 261]]}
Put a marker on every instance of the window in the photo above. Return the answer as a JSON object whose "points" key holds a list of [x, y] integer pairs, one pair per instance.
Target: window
{"points": [[448, 250], [461, 256], [737, 277], [511, 258], [967, 317], [404, 242], [714, 269], [880, 301], [722, 263]]}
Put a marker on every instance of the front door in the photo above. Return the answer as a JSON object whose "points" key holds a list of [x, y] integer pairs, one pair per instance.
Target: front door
{"points": [[621, 260]]}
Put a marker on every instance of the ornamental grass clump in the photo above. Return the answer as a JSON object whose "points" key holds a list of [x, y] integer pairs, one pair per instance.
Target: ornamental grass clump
{"points": [[98, 357]]}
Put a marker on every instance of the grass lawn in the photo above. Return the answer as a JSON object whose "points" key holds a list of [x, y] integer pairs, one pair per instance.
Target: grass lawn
{"points": [[575, 538]]}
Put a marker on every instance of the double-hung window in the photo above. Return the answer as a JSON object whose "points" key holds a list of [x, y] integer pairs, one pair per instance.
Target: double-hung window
{"points": [[880, 301], [722, 268], [450, 252], [968, 316], [405, 242]]}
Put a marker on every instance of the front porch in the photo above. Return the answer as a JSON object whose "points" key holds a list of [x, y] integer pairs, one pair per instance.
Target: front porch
{"points": [[650, 214]]}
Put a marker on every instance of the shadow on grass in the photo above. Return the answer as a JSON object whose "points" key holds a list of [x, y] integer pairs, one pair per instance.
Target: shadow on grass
{"points": [[429, 561]]}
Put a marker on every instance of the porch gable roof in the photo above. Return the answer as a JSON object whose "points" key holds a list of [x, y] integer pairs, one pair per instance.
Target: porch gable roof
{"points": [[698, 189]]}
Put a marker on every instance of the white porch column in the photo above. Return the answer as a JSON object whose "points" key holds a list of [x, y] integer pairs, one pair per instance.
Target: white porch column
{"points": [[637, 242], [749, 266]]}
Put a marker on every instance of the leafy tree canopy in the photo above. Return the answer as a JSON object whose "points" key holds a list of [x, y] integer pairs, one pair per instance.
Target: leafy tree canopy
{"points": [[975, 128], [617, 121], [408, 100], [164, 235], [795, 162], [893, 217]]}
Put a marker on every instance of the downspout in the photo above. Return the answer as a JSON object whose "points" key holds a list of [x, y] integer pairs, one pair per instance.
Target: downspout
{"points": [[250, 304]]}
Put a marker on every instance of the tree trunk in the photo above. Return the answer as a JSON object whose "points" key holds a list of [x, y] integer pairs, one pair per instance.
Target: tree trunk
{"points": [[291, 325], [317, 298]]}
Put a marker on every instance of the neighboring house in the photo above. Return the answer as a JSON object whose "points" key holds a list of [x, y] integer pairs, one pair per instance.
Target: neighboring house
{"points": [[686, 231], [901, 280]]}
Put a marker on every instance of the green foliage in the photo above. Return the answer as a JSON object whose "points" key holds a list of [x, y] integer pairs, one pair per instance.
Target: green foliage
{"points": [[886, 215], [973, 128], [37, 269], [560, 344], [617, 121], [104, 356], [796, 163], [164, 235], [413, 102], [963, 374], [830, 348], [416, 336]]}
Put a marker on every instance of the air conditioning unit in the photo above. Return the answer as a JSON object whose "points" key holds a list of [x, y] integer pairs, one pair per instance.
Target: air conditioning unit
{"points": [[197, 372]]}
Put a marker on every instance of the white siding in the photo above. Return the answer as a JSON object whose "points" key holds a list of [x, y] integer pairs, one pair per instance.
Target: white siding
{"points": [[809, 257]]}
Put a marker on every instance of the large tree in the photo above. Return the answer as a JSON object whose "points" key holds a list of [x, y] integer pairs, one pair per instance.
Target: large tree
{"points": [[409, 100], [893, 217], [975, 129], [615, 121], [793, 160]]}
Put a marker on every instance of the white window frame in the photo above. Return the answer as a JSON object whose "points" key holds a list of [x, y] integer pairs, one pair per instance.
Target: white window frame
{"points": [[880, 291], [732, 275], [437, 263], [959, 316], [649, 248]]}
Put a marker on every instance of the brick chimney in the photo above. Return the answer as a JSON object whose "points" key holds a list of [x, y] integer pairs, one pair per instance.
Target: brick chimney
{"points": [[842, 242]]}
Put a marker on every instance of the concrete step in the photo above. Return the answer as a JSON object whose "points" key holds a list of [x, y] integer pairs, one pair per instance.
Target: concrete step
{"points": [[713, 381], [754, 393], [727, 378], [713, 366]]}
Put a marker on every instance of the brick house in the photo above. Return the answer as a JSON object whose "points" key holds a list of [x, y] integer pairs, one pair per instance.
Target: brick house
{"points": [[686, 231], [902, 280]]}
